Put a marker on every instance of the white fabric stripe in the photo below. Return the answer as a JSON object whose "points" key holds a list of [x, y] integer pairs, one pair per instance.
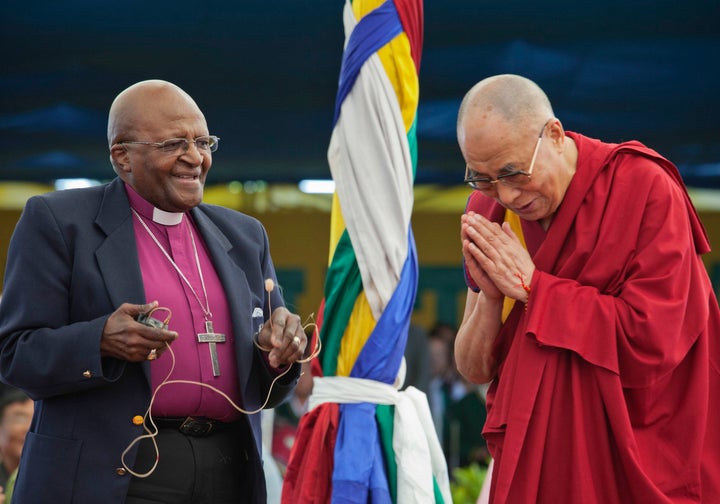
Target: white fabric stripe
{"points": [[370, 161], [414, 439], [405, 446]]}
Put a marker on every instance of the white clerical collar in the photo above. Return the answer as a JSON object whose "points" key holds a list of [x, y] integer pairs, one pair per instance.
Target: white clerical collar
{"points": [[167, 218]]}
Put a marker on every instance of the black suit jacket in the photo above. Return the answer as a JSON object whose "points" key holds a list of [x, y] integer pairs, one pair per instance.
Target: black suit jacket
{"points": [[72, 261]]}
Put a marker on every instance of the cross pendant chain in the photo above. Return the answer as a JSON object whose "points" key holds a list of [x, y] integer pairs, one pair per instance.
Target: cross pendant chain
{"points": [[205, 307], [212, 338]]}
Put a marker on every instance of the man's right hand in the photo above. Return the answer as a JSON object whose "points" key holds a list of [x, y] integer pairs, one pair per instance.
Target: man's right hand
{"points": [[125, 338]]}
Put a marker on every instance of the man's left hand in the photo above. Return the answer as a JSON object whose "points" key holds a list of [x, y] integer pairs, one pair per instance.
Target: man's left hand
{"points": [[283, 333]]}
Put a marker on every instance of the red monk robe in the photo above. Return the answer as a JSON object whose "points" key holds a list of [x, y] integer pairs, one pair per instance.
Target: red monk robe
{"points": [[607, 377]]}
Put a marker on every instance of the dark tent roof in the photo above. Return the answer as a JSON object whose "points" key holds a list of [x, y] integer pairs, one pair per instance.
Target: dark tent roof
{"points": [[265, 74]]}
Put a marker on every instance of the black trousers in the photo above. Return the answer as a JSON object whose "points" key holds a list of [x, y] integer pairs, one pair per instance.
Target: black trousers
{"points": [[217, 469]]}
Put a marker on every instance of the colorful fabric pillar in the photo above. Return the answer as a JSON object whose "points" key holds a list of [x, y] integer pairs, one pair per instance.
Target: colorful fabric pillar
{"points": [[364, 440]]}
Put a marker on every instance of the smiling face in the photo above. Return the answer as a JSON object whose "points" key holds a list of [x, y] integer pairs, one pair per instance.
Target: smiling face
{"points": [[14, 424], [506, 129], [493, 146], [154, 111]]}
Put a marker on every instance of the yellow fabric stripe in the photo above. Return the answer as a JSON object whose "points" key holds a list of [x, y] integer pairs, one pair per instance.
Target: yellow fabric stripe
{"points": [[514, 221], [400, 69], [357, 332], [362, 7], [337, 226]]}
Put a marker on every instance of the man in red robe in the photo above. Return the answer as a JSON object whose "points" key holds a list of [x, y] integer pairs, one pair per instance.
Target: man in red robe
{"points": [[606, 370]]}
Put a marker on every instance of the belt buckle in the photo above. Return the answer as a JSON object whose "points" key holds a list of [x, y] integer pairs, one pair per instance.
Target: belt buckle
{"points": [[195, 427]]}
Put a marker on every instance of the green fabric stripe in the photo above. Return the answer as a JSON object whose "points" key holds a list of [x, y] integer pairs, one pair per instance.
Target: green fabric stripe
{"points": [[343, 285], [385, 413], [412, 145], [438, 494]]}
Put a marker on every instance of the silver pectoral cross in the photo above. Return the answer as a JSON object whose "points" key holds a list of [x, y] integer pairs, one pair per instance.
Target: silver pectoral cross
{"points": [[211, 338]]}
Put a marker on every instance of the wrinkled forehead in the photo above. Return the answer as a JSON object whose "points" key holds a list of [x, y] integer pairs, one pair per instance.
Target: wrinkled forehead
{"points": [[485, 136], [151, 108]]}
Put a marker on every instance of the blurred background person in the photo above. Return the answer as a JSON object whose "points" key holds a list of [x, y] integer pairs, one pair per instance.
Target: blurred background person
{"points": [[445, 386], [16, 410], [462, 433], [417, 359]]}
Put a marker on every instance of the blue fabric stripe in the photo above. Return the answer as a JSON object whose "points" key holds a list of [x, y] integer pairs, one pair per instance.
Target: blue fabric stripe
{"points": [[373, 31], [380, 357], [359, 477], [359, 461]]}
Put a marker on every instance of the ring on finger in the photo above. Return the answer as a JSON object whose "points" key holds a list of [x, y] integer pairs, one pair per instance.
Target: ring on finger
{"points": [[152, 355], [296, 340]]}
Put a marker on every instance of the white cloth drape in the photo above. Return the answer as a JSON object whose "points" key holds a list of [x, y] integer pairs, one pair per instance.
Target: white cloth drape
{"points": [[418, 453]]}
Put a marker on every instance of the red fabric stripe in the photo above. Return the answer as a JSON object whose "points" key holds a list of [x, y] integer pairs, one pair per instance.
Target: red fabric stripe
{"points": [[311, 483], [411, 17]]}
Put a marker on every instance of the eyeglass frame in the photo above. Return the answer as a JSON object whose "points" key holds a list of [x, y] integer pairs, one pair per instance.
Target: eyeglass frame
{"points": [[502, 178], [214, 142]]}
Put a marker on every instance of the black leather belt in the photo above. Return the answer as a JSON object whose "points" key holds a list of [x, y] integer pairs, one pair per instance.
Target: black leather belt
{"points": [[191, 426]]}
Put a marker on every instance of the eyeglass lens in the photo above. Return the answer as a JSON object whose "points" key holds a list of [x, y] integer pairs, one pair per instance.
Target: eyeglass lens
{"points": [[206, 143]]}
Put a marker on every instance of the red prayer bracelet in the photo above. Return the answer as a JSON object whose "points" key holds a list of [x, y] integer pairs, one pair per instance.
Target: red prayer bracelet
{"points": [[525, 287]]}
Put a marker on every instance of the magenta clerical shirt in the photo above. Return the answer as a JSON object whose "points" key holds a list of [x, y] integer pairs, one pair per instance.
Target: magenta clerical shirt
{"points": [[163, 283]]}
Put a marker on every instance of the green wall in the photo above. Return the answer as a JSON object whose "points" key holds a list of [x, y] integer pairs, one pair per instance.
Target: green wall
{"points": [[299, 242]]}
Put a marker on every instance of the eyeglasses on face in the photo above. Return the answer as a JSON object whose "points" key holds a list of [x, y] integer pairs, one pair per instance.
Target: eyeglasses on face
{"points": [[206, 143], [515, 178]]}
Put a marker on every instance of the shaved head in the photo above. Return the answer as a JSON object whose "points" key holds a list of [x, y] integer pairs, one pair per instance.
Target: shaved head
{"points": [[141, 118], [505, 127], [515, 99], [136, 108]]}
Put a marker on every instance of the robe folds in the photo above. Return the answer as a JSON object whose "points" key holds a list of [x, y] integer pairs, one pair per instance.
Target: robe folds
{"points": [[608, 378]]}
